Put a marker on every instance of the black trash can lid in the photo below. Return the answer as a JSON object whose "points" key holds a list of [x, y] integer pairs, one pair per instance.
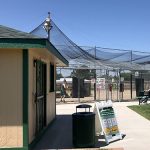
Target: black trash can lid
{"points": [[84, 106]]}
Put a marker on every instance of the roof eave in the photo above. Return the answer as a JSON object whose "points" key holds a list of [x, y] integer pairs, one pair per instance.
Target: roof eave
{"points": [[27, 43]]}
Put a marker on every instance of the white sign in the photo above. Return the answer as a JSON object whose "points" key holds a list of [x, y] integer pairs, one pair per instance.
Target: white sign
{"points": [[108, 121], [93, 80], [122, 79], [100, 83], [136, 74]]}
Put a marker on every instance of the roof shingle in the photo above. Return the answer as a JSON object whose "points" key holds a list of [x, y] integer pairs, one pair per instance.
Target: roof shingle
{"points": [[6, 32]]}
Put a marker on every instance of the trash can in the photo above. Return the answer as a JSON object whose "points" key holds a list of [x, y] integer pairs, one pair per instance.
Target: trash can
{"points": [[83, 125]]}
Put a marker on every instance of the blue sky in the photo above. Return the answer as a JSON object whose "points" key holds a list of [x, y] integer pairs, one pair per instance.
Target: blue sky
{"points": [[123, 24]]}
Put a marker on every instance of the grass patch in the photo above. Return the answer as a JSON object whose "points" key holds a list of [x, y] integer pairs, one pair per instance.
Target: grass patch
{"points": [[143, 110]]}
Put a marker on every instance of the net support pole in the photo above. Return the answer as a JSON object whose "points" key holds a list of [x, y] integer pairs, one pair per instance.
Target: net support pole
{"points": [[79, 89], [131, 83], [119, 84], [95, 84], [131, 77], [95, 76], [106, 84]]}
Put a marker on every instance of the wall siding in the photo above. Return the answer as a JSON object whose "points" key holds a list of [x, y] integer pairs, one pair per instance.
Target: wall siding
{"points": [[11, 129]]}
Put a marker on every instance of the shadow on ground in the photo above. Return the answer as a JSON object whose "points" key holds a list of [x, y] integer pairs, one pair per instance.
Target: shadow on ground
{"points": [[59, 135]]}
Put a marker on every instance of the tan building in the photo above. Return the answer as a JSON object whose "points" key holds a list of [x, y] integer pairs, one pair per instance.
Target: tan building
{"points": [[27, 87]]}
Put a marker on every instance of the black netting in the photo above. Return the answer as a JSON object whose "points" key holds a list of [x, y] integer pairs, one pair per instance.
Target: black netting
{"points": [[92, 57]]}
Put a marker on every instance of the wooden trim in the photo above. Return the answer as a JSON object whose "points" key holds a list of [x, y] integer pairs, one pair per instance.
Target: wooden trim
{"points": [[15, 148], [22, 43]]}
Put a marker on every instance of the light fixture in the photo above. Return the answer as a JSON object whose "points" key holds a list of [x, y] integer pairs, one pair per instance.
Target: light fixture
{"points": [[47, 25]]}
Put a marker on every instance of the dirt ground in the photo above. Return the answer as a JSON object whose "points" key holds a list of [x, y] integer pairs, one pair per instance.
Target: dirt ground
{"points": [[102, 95], [115, 95]]}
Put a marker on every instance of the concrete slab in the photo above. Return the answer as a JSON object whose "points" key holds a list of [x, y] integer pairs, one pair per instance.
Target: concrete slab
{"points": [[135, 127]]}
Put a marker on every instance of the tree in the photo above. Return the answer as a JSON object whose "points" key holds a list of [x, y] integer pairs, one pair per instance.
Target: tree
{"points": [[83, 73], [58, 76], [126, 75]]}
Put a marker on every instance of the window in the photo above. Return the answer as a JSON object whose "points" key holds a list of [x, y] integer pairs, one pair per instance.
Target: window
{"points": [[52, 83]]}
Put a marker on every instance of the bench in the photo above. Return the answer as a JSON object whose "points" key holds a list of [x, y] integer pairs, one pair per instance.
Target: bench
{"points": [[143, 97]]}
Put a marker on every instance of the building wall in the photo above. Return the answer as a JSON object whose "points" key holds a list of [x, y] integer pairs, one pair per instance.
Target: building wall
{"points": [[11, 129], [41, 55], [50, 107]]}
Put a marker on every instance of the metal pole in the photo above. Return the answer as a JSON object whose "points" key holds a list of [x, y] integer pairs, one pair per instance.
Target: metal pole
{"points": [[95, 86], [95, 76], [48, 32], [122, 91], [111, 91], [131, 83], [100, 74], [99, 87], [106, 85], [131, 77], [119, 84], [48, 35], [79, 89], [141, 83]]}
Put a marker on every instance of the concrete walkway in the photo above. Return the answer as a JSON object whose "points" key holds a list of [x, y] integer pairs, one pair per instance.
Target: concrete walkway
{"points": [[135, 127]]}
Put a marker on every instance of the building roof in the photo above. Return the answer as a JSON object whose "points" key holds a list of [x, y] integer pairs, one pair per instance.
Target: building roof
{"points": [[12, 38], [6, 32]]}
